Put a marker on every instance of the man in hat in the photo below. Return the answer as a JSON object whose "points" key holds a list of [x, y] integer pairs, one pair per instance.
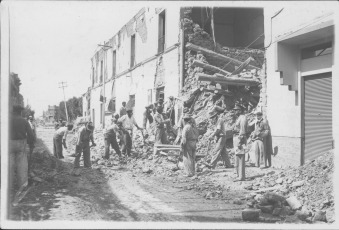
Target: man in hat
{"points": [[147, 115], [261, 143], [181, 125], [170, 112], [122, 110], [220, 150], [160, 133], [85, 134], [110, 138], [128, 122], [21, 134], [239, 141], [59, 139], [189, 140]]}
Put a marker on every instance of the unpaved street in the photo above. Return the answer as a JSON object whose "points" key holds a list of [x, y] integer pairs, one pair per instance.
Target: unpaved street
{"points": [[116, 194]]}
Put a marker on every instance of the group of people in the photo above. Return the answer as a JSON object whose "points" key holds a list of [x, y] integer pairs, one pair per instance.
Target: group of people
{"points": [[119, 136]]}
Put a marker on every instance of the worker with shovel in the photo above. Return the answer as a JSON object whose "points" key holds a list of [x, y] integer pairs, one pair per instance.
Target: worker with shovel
{"points": [[128, 122], [59, 140], [85, 135], [221, 132], [160, 133], [110, 135]]}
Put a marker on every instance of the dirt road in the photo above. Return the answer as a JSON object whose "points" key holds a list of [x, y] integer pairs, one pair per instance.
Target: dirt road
{"points": [[116, 194]]}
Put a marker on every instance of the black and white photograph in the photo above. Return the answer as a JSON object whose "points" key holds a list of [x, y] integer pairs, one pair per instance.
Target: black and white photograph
{"points": [[169, 114]]}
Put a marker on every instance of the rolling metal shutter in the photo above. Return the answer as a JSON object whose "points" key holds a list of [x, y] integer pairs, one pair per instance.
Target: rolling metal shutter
{"points": [[318, 115]]}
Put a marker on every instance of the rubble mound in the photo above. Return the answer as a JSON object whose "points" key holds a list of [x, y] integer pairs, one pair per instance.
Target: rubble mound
{"points": [[308, 188]]}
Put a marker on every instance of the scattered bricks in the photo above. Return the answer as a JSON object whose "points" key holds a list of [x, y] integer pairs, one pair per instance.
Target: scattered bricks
{"points": [[250, 214], [249, 196], [297, 184], [319, 216], [146, 170], [293, 202], [330, 216], [276, 211], [267, 208]]}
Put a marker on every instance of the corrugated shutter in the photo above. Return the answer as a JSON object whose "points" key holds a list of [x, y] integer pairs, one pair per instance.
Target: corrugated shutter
{"points": [[318, 115]]}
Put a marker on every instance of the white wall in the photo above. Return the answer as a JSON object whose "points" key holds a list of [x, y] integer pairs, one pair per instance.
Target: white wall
{"points": [[284, 106]]}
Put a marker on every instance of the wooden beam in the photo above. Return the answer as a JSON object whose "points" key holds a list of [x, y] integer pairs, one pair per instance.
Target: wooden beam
{"points": [[226, 80], [242, 66], [163, 145], [215, 55], [209, 67], [219, 91]]}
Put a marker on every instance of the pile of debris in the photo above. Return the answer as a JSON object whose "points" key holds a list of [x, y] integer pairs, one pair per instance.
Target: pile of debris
{"points": [[309, 189]]}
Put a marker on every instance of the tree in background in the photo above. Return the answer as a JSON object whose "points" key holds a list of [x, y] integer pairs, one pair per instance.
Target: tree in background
{"points": [[74, 109], [28, 111]]}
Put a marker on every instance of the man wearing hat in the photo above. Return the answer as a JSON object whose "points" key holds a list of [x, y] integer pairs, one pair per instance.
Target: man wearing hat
{"points": [[147, 115], [85, 134], [170, 109], [21, 134], [239, 141], [160, 122], [261, 143], [128, 122], [220, 149], [110, 137], [189, 140], [181, 125], [59, 140]]}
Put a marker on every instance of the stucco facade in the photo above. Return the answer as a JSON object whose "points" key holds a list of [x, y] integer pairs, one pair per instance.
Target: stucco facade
{"points": [[137, 79], [297, 27]]}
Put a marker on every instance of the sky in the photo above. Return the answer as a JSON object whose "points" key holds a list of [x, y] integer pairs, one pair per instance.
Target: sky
{"points": [[53, 42]]}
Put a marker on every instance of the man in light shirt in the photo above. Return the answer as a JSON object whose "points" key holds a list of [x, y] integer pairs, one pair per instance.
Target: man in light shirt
{"points": [[59, 139], [110, 135], [128, 122]]}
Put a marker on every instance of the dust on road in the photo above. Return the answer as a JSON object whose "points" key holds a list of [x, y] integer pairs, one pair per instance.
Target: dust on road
{"points": [[116, 194]]}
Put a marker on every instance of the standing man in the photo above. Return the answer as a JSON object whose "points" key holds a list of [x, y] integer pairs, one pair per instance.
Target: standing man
{"points": [[123, 109], [128, 122], [189, 140], [110, 135], [160, 132], [170, 112], [239, 140], [33, 126], [59, 139], [20, 135], [147, 115], [220, 149], [85, 134], [262, 147]]}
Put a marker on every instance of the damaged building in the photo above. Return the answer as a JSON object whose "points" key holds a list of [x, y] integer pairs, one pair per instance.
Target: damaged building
{"points": [[210, 59]]}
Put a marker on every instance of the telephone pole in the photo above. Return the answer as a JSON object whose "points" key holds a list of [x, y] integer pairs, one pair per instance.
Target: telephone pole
{"points": [[63, 85]]}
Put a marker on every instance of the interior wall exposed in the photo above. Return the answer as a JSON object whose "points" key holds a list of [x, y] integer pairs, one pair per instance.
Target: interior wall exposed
{"points": [[233, 27]]}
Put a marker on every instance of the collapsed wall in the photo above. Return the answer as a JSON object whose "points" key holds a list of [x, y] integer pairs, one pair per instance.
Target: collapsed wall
{"points": [[205, 58]]}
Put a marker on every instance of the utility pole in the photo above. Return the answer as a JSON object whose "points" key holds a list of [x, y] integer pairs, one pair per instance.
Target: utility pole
{"points": [[63, 85], [104, 80]]}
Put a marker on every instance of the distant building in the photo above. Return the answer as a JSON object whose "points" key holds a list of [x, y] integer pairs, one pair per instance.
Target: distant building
{"points": [[49, 115]]}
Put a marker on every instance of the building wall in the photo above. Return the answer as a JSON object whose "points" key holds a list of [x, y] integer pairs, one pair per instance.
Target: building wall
{"points": [[140, 78], [284, 105]]}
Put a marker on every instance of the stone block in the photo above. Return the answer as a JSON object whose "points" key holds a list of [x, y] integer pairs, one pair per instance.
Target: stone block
{"points": [[267, 208], [276, 211], [294, 203], [319, 216], [330, 216]]}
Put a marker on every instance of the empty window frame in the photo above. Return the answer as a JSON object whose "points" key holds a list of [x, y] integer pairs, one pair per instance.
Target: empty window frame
{"points": [[162, 32], [114, 62], [132, 50]]}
